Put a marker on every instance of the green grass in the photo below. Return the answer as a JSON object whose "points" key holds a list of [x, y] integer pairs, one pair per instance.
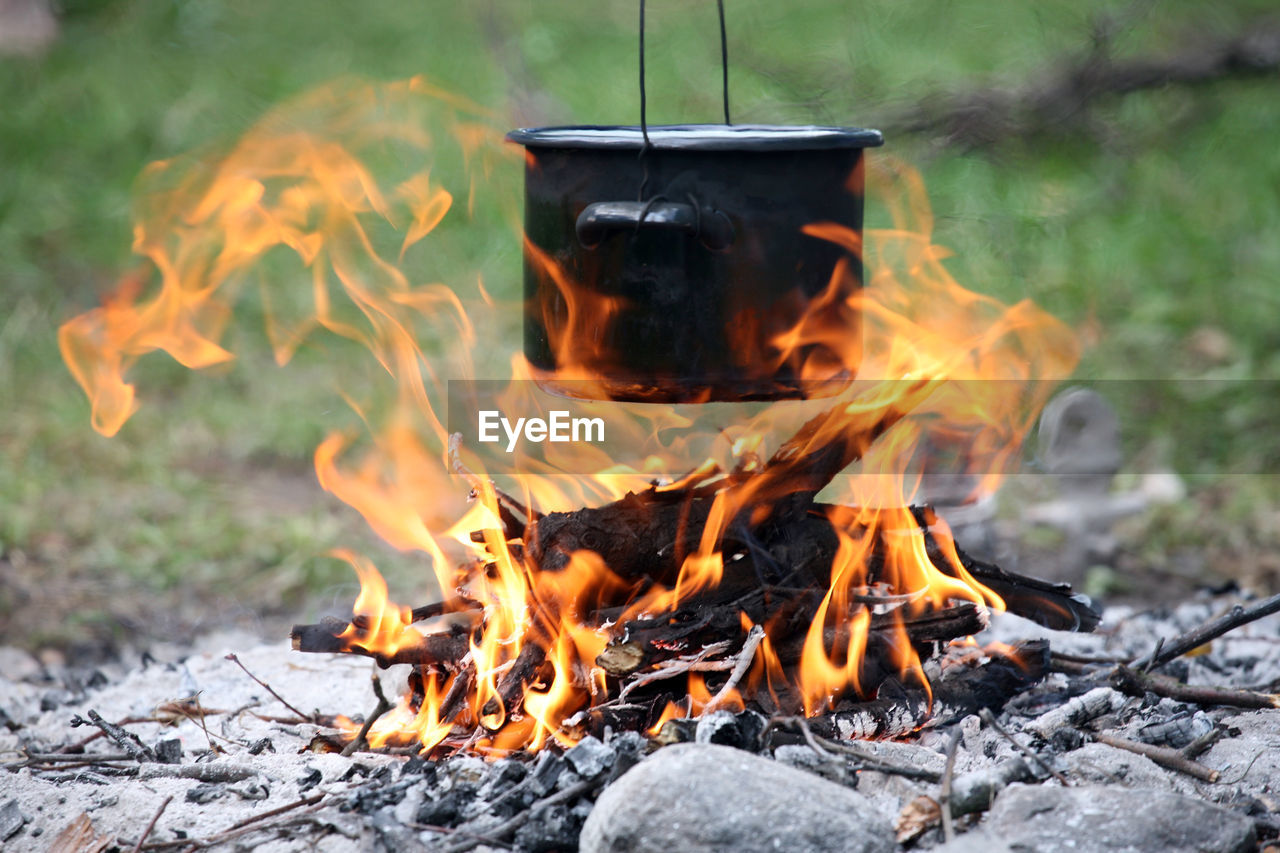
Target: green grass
{"points": [[1153, 225]]}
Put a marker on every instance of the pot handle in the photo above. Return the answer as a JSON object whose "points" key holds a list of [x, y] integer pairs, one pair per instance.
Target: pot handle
{"points": [[711, 227]]}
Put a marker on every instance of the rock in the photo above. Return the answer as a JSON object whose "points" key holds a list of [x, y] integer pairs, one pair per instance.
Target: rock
{"points": [[169, 751], [745, 730], [18, 665], [546, 774], [590, 757], [1111, 819], [705, 797], [1100, 764], [11, 819], [1250, 752], [804, 758], [552, 829]]}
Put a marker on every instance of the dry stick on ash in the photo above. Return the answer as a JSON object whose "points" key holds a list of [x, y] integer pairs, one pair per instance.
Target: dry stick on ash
{"points": [[863, 760], [307, 717], [239, 830], [1203, 742], [990, 719], [382, 707], [1137, 683], [279, 810], [1211, 630], [944, 798], [1162, 755], [124, 739], [76, 758], [152, 825]]}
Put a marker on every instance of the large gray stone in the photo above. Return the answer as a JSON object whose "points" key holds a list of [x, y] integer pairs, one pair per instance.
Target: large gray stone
{"points": [[704, 797], [1100, 819]]}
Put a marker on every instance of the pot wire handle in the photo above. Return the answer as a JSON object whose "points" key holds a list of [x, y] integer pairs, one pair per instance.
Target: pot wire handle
{"points": [[724, 89]]}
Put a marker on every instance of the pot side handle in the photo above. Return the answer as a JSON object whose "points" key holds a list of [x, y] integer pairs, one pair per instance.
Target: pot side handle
{"points": [[712, 227]]}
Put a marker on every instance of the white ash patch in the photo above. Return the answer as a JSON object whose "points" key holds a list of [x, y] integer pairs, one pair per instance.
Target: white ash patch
{"points": [[378, 801], [244, 785]]}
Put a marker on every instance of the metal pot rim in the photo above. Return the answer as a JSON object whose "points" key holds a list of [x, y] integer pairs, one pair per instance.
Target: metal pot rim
{"points": [[700, 137]]}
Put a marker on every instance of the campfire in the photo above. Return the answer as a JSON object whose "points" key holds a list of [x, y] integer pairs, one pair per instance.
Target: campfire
{"points": [[787, 571], [668, 486]]}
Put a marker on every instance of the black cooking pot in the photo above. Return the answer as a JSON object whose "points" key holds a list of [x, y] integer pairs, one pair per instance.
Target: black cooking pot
{"points": [[668, 268]]}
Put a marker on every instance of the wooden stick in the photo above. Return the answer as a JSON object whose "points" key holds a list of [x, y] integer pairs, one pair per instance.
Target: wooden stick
{"points": [[944, 798], [124, 739], [990, 719], [76, 757], [1076, 712], [1211, 630], [382, 707], [1162, 755], [445, 648], [1203, 742], [697, 662], [305, 801], [150, 826], [232, 657], [744, 661], [1136, 683], [975, 791]]}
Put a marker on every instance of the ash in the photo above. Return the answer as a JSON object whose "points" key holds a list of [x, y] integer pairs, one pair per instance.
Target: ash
{"points": [[1082, 761]]}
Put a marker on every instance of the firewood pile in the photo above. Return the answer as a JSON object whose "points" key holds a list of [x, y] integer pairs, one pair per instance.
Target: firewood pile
{"points": [[781, 553]]}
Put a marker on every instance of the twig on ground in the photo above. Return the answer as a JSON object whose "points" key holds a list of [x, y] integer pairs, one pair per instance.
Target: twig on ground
{"points": [[226, 835], [1203, 742], [1248, 767], [1136, 683], [1173, 759], [383, 707], [305, 801], [990, 719], [1211, 630], [203, 772], [449, 830], [863, 760], [126, 740], [308, 717], [152, 825], [213, 747], [75, 757], [944, 798]]}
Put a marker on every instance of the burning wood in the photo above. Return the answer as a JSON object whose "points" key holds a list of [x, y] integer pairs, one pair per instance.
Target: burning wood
{"points": [[758, 618]]}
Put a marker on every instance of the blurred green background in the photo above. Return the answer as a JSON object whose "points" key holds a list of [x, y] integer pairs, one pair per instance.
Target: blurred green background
{"points": [[1149, 221]]}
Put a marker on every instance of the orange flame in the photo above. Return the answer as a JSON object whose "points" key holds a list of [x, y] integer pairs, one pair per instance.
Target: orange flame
{"points": [[936, 365]]}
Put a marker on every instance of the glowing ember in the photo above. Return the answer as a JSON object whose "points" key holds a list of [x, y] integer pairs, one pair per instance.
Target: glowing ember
{"points": [[534, 589]]}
